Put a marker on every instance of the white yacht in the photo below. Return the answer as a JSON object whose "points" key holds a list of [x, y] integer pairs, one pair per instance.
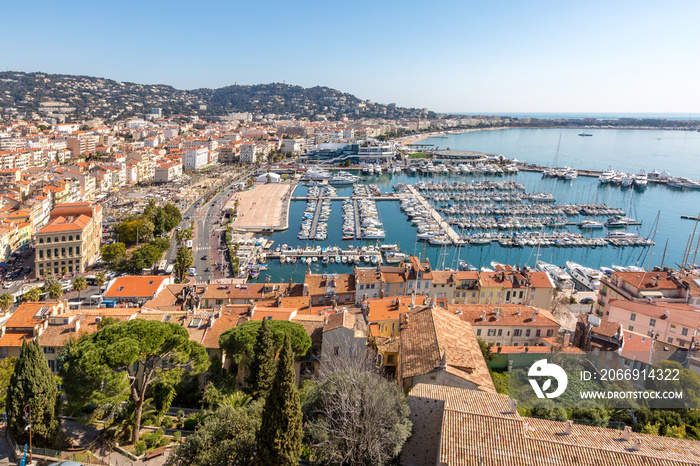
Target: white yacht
{"points": [[558, 274], [606, 176], [641, 180], [586, 277]]}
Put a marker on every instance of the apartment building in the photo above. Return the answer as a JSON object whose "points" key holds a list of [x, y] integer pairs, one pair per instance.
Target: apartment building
{"points": [[168, 171], [249, 153], [195, 158], [70, 240], [508, 324], [673, 323]]}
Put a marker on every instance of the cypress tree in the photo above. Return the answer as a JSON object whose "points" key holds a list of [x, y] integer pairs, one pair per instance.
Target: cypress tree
{"points": [[279, 439], [32, 383], [262, 368]]}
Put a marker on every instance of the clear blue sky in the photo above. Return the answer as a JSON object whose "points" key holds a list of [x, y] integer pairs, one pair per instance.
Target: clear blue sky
{"points": [[458, 56]]}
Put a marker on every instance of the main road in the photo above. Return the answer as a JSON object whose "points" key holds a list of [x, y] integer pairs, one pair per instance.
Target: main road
{"points": [[206, 218]]}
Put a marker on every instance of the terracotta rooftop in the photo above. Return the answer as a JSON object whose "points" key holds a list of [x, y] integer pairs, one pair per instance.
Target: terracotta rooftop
{"points": [[432, 338], [476, 428], [511, 314]]}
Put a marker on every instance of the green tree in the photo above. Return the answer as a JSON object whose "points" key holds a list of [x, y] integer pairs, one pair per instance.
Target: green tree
{"points": [[123, 359], [55, 291], [227, 436], [279, 438], [33, 384], [79, 284], [7, 368], [6, 301], [262, 366], [486, 350], [32, 295], [114, 252], [183, 261], [239, 342]]}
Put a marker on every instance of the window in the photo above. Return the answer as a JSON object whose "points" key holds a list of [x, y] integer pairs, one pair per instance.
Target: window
{"points": [[387, 287], [70, 237], [48, 240], [649, 333], [55, 239], [70, 251], [77, 249], [483, 294], [507, 295], [55, 252], [473, 294], [63, 239], [633, 317], [490, 294], [347, 297], [41, 240], [521, 295], [49, 350], [401, 285], [63, 251], [390, 359], [670, 339], [630, 328], [418, 285], [77, 237], [362, 287], [550, 332], [500, 332], [491, 332], [652, 322], [52, 365], [537, 332], [527, 332], [320, 299], [48, 253], [684, 332], [517, 332], [498, 294], [41, 253], [478, 332]]}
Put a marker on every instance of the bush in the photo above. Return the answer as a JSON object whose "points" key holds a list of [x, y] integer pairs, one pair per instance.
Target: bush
{"points": [[167, 422], [140, 448], [153, 439], [191, 423], [177, 435]]}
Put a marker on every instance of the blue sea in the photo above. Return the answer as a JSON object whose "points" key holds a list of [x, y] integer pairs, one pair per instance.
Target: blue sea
{"points": [[629, 150]]}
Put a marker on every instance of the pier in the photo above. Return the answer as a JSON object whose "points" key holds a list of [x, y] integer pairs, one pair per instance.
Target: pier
{"points": [[317, 215], [449, 231], [387, 197], [358, 223]]}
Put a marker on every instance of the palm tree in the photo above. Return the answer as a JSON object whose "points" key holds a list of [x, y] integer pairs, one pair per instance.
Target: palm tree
{"points": [[235, 400], [32, 295], [79, 284], [100, 279], [124, 420], [6, 300], [64, 271], [55, 291]]}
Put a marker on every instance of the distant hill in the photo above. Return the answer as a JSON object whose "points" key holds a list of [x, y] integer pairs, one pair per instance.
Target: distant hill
{"points": [[84, 96]]}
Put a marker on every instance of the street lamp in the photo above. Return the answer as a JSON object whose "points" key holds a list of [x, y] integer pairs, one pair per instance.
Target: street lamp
{"points": [[28, 418]]}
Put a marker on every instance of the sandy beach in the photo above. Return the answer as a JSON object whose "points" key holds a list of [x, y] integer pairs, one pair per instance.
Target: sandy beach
{"points": [[408, 140]]}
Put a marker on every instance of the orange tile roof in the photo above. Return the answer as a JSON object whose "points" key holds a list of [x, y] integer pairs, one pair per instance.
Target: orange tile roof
{"points": [[135, 286], [383, 309], [511, 314]]}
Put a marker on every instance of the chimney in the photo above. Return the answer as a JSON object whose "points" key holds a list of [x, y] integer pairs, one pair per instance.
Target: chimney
{"points": [[483, 315], [569, 425], [638, 443], [567, 337], [77, 325], [627, 433], [513, 407]]}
